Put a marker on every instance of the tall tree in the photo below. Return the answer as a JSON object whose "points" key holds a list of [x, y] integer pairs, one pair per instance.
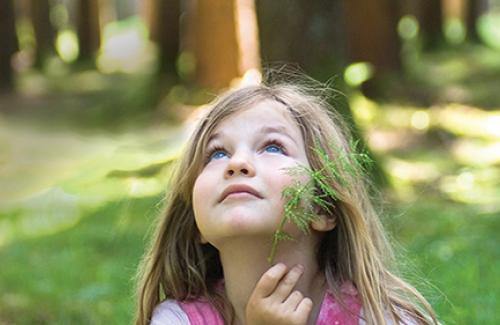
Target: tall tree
{"points": [[431, 23], [223, 38], [475, 8], [215, 43], [163, 18], [44, 31], [372, 33], [8, 44], [316, 25], [88, 29]]}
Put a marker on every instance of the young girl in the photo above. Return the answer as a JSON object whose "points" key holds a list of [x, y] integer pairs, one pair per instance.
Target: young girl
{"points": [[208, 260]]}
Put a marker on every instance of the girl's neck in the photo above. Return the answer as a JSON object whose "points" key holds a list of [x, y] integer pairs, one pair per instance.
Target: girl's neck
{"points": [[244, 260]]}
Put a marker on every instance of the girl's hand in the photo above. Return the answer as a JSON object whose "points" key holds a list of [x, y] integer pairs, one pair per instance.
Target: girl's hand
{"points": [[273, 301]]}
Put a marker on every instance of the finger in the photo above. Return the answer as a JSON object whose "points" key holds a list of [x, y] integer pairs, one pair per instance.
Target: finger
{"points": [[269, 280], [303, 310], [293, 300], [286, 285]]}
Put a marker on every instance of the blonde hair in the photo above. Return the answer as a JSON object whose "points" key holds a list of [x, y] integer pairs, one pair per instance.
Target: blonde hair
{"points": [[178, 266]]}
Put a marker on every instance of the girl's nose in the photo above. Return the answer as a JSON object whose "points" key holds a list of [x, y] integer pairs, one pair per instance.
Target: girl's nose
{"points": [[239, 165]]}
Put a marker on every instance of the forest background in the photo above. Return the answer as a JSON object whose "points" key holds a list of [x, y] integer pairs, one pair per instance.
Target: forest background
{"points": [[97, 98]]}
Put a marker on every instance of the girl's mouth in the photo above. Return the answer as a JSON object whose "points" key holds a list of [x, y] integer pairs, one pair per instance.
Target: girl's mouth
{"points": [[239, 190]]}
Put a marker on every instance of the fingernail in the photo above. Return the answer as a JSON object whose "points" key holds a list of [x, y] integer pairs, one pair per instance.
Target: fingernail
{"points": [[280, 266], [300, 267]]}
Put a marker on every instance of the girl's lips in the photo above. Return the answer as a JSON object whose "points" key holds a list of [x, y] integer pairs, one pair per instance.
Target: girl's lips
{"points": [[239, 188]]}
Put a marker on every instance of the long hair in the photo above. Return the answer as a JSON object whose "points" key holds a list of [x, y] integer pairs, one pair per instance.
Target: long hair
{"points": [[178, 266]]}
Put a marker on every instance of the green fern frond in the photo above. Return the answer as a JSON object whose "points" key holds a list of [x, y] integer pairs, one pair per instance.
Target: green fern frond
{"points": [[302, 199]]}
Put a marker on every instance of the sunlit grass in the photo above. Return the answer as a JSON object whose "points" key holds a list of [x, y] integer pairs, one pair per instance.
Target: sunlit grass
{"points": [[455, 249], [448, 149], [48, 177]]}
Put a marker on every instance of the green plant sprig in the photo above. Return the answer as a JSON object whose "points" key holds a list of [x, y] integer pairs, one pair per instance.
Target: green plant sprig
{"points": [[303, 199]]}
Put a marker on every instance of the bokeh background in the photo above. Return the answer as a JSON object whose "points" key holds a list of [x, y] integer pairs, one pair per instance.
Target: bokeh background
{"points": [[97, 98]]}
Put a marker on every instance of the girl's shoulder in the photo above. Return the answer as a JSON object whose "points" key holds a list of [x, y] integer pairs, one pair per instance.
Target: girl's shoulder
{"points": [[169, 312], [193, 312]]}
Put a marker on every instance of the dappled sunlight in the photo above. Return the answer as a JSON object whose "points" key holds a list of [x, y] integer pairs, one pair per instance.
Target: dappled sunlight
{"points": [[474, 186], [382, 141], [251, 77], [46, 213], [142, 187], [462, 143], [357, 73], [476, 152], [408, 27], [126, 47], [469, 121], [67, 45], [363, 109], [404, 175], [420, 120], [50, 178], [489, 28]]}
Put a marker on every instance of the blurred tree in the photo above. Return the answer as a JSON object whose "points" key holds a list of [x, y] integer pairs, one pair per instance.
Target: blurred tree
{"points": [[409, 7], [108, 12], [430, 18], [316, 25], [8, 44], [39, 11], [163, 19], [88, 29], [215, 43], [475, 8], [372, 33]]}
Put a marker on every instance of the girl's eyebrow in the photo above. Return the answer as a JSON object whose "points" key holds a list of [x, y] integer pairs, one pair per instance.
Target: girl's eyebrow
{"points": [[281, 129]]}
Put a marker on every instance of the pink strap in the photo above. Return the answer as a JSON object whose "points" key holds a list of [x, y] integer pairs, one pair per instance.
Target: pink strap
{"points": [[201, 312], [333, 313]]}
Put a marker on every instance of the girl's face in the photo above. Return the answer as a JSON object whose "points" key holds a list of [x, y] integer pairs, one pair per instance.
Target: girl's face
{"points": [[238, 192]]}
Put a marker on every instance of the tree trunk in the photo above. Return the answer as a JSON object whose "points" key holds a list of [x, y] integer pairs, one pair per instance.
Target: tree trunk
{"points": [[8, 44], [475, 8], [216, 43], [316, 25], [88, 29], [431, 24], [372, 33], [44, 31], [163, 19]]}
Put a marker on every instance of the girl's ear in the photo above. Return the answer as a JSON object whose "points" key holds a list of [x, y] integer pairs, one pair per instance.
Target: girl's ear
{"points": [[324, 223]]}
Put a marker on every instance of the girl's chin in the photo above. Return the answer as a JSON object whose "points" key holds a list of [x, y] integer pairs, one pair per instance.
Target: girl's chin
{"points": [[247, 235]]}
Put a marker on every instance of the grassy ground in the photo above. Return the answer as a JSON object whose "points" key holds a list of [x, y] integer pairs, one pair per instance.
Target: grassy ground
{"points": [[76, 204]]}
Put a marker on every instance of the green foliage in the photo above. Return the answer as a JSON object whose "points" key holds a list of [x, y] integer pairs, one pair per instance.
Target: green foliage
{"points": [[305, 199]]}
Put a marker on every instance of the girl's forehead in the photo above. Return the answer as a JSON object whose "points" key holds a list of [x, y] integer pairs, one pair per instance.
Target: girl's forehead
{"points": [[261, 112]]}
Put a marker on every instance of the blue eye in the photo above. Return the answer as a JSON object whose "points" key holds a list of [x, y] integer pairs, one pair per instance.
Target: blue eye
{"points": [[217, 154], [273, 148]]}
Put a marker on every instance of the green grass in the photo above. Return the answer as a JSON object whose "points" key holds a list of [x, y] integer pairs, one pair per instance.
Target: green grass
{"points": [[455, 249], [81, 275]]}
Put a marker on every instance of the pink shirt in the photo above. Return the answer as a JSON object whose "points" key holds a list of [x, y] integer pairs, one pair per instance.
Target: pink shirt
{"points": [[200, 312]]}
